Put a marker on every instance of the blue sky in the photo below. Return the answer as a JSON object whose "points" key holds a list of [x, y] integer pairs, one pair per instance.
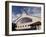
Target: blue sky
{"points": [[30, 10], [18, 10]]}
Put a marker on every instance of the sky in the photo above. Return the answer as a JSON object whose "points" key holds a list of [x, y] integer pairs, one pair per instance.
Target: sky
{"points": [[29, 10]]}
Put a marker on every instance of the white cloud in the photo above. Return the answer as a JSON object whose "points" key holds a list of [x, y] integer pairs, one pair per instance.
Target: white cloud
{"points": [[15, 17], [36, 11]]}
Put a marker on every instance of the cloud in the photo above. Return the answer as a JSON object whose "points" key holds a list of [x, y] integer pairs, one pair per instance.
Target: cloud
{"points": [[36, 11], [15, 17]]}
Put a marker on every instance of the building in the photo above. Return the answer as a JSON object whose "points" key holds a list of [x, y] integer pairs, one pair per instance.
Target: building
{"points": [[27, 22]]}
